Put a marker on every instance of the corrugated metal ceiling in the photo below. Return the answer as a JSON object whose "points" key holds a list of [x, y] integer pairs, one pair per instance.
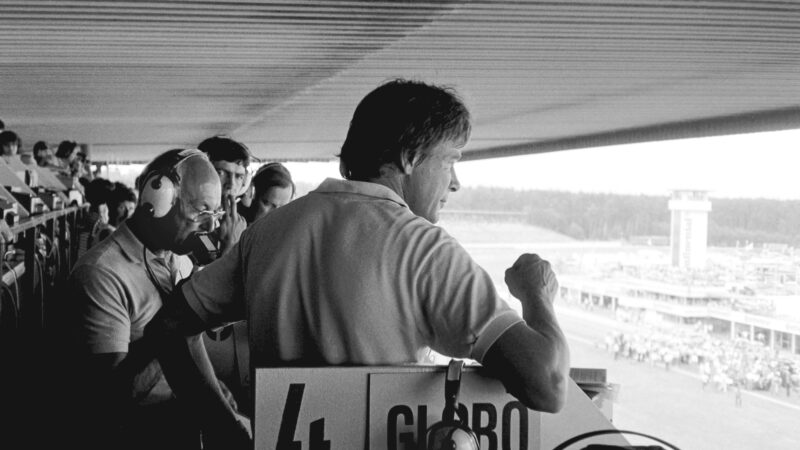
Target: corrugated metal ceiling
{"points": [[136, 78]]}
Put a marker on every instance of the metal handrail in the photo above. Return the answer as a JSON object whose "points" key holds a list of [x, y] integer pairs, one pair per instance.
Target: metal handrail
{"points": [[43, 218]]}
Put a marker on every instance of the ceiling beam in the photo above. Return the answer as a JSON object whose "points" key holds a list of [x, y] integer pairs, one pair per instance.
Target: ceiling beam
{"points": [[753, 122]]}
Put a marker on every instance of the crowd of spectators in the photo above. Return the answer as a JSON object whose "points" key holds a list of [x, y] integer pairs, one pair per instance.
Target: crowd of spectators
{"points": [[721, 363], [111, 202]]}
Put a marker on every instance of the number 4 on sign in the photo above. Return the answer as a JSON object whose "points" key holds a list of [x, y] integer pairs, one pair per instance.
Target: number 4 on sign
{"points": [[291, 413]]}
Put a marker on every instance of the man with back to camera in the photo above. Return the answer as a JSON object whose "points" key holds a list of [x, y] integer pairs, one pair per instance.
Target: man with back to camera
{"points": [[231, 160], [355, 272], [117, 287]]}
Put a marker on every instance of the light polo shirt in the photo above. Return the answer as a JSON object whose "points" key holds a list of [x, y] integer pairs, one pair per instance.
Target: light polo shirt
{"points": [[349, 275], [114, 298]]}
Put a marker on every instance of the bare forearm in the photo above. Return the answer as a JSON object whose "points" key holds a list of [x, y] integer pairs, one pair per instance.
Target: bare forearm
{"points": [[540, 315], [191, 377], [533, 366], [532, 360]]}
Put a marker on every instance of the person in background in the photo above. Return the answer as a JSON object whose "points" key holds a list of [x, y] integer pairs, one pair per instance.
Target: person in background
{"points": [[122, 204], [231, 160], [117, 287], [6, 235], [95, 226], [65, 153], [73, 162], [43, 155], [357, 272], [272, 188], [245, 201], [9, 143], [82, 166]]}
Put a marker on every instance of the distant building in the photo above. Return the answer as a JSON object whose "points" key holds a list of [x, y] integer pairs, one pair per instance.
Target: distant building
{"points": [[725, 313], [689, 228]]}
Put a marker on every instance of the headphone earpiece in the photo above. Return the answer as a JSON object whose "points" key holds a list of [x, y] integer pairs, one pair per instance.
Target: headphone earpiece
{"points": [[452, 432], [159, 187], [160, 194], [451, 436]]}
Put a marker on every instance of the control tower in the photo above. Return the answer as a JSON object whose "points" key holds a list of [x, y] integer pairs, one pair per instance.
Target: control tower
{"points": [[689, 228]]}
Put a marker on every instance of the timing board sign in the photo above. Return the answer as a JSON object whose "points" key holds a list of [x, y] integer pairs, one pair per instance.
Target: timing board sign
{"points": [[310, 409], [402, 406], [392, 407]]}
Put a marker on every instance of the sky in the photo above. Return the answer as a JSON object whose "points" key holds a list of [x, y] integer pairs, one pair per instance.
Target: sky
{"points": [[747, 165]]}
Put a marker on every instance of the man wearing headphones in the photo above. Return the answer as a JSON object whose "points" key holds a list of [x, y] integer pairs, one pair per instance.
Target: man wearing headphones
{"points": [[116, 289]]}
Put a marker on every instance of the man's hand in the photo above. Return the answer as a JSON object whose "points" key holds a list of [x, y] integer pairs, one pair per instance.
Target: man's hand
{"points": [[228, 395], [231, 226], [531, 276]]}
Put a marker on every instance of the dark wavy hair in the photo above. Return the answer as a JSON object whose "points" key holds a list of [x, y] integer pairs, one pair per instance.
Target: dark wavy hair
{"points": [[398, 121], [8, 137], [223, 148], [65, 149], [40, 145], [98, 191]]}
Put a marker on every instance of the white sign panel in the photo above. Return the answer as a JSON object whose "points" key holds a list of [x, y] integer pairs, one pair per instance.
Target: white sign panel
{"points": [[311, 409], [392, 407], [402, 406]]}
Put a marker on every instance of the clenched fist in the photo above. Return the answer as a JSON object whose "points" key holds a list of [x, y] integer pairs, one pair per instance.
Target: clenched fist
{"points": [[532, 277]]}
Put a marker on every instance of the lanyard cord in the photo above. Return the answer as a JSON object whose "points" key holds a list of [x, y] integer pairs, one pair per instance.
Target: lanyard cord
{"points": [[152, 276]]}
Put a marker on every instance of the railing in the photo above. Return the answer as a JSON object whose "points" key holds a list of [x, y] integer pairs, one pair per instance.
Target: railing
{"points": [[35, 265]]}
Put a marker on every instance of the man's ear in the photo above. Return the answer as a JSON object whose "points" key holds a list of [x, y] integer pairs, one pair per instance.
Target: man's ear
{"points": [[408, 162], [404, 166]]}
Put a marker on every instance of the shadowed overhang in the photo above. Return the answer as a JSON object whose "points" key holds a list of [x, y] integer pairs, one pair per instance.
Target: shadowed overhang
{"points": [[132, 79]]}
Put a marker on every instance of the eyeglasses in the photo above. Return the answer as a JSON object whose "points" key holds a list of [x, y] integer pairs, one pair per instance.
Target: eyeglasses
{"points": [[206, 215]]}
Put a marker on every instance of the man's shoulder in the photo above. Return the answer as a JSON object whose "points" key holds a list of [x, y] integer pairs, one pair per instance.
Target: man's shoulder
{"points": [[105, 256], [422, 228]]}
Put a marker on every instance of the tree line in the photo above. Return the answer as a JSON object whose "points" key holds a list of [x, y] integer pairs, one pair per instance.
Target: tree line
{"points": [[602, 216]]}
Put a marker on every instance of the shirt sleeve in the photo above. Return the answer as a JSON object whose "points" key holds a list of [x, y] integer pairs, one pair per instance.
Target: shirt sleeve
{"points": [[216, 293], [464, 313], [104, 324]]}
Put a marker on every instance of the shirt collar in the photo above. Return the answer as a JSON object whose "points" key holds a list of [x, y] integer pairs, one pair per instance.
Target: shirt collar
{"points": [[332, 185], [131, 246]]}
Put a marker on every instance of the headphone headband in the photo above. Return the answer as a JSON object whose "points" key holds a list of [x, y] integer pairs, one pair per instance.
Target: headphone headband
{"points": [[170, 168], [159, 194]]}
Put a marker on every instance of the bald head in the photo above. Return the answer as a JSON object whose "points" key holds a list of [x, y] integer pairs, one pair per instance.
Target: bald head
{"points": [[195, 210], [199, 184]]}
